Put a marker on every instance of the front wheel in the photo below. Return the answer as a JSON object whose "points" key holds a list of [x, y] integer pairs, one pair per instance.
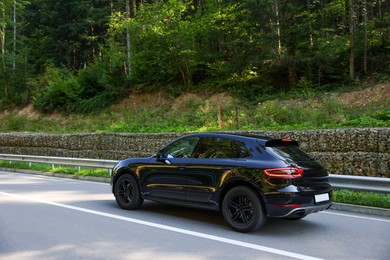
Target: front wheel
{"points": [[127, 193], [243, 210]]}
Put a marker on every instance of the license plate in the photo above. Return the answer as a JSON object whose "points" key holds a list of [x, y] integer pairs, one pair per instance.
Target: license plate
{"points": [[321, 197]]}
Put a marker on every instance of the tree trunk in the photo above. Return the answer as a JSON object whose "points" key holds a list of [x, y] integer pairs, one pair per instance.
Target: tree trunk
{"points": [[351, 40], [14, 58], [278, 33], [2, 39], [133, 8], [2, 35], [128, 38], [365, 36]]}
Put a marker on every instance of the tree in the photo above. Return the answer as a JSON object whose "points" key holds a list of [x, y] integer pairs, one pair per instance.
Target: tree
{"points": [[365, 20], [128, 43], [351, 38], [70, 32], [5, 9], [249, 47]]}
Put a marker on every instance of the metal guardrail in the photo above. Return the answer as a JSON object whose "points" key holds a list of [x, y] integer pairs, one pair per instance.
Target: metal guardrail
{"points": [[83, 162], [361, 183]]}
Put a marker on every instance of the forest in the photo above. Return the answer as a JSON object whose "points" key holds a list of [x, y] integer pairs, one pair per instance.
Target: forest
{"points": [[79, 56]]}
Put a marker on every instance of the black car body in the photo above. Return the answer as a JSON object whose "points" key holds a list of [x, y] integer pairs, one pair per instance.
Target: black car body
{"points": [[247, 177]]}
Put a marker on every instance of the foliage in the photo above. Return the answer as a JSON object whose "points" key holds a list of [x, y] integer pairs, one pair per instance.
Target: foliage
{"points": [[58, 89], [195, 112], [162, 43], [251, 48], [370, 199], [15, 123], [378, 118]]}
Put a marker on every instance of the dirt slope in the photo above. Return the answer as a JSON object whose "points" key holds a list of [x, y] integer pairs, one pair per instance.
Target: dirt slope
{"points": [[378, 95]]}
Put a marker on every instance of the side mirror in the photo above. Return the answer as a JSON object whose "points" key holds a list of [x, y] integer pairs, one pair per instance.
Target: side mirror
{"points": [[159, 157]]}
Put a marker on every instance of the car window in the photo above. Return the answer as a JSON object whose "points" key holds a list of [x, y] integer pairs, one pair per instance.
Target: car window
{"points": [[289, 151], [240, 149], [217, 147], [182, 148]]}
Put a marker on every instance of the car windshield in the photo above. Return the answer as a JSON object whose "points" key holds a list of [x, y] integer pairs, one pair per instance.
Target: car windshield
{"points": [[182, 148], [288, 151]]}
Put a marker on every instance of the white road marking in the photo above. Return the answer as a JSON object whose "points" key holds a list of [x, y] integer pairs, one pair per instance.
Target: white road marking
{"points": [[353, 216], [169, 228]]}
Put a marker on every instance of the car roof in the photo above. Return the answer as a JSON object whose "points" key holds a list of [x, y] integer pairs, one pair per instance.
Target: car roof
{"points": [[263, 140], [233, 135]]}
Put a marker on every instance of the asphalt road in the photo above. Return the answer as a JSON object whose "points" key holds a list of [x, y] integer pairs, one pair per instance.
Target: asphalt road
{"points": [[52, 218]]}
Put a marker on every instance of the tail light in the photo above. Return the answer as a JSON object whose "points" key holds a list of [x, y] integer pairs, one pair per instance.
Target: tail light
{"points": [[285, 173]]}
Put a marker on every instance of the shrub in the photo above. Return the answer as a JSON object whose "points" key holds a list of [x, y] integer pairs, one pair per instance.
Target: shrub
{"points": [[56, 89], [94, 88]]}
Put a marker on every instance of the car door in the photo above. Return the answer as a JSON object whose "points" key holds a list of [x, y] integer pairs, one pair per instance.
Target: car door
{"points": [[212, 160], [164, 178]]}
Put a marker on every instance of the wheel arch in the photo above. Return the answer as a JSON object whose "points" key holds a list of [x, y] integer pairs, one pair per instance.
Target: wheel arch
{"points": [[120, 172], [241, 182]]}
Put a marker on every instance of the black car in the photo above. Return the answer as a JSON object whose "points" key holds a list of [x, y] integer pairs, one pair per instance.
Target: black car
{"points": [[247, 177]]}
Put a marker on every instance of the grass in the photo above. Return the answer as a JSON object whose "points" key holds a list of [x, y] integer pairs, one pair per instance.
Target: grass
{"points": [[194, 112], [44, 167], [371, 199]]}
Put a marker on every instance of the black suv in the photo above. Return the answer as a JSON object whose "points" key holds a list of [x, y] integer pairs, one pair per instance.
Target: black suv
{"points": [[247, 177]]}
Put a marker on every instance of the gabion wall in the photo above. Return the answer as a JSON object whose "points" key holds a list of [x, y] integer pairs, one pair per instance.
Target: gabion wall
{"points": [[363, 152]]}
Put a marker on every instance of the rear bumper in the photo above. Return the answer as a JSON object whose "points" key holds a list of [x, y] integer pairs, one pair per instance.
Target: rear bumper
{"points": [[299, 211], [297, 205]]}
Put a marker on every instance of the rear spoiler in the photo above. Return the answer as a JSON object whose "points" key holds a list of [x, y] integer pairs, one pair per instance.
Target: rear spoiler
{"points": [[278, 142]]}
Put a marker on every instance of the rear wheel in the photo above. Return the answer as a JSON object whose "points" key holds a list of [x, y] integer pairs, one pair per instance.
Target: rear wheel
{"points": [[243, 210], [127, 192]]}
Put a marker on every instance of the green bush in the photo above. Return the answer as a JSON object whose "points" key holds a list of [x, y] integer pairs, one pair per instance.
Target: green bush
{"points": [[370, 199], [56, 90], [366, 121], [93, 89], [371, 118], [383, 115]]}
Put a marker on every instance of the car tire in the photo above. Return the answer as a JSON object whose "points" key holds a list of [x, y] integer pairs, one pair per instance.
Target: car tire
{"points": [[127, 192], [243, 210]]}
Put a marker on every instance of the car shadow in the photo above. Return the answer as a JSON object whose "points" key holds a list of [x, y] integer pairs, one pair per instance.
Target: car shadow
{"points": [[284, 227], [273, 227], [198, 215]]}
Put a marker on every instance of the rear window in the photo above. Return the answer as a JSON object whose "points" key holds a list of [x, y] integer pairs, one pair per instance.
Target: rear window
{"points": [[288, 150]]}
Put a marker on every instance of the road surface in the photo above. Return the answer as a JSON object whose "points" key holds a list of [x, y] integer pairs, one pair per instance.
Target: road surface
{"points": [[54, 218]]}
